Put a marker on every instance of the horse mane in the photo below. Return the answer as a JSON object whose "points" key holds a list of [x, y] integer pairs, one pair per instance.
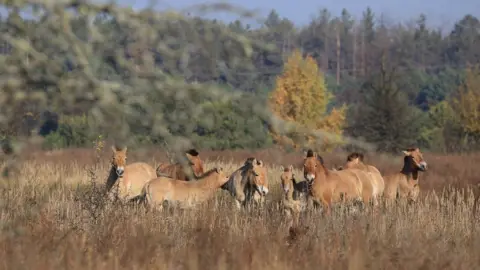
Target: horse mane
{"points": [[320, 159], [286, 169], [408, 167], [249, 161], [355, 155], [192, 152], [310, 154], [207, 173], [118, 147], [166, 175]]}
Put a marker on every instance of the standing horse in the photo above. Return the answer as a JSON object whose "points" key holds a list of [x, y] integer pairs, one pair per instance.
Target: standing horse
{"points": [[127, 180], [295, 193], [404, 184], [185, 194], [248, 183], [328, 186], [178, 171], [376, 181]]}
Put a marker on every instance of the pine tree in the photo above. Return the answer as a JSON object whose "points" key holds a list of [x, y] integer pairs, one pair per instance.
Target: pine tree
{"points": [[301, 97], [384, 117]]}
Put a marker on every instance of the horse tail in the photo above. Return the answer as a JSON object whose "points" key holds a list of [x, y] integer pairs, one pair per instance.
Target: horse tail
{"points": [[146, 195]]}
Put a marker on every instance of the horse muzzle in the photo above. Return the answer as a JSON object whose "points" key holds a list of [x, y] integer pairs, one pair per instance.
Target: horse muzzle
{"points": [[310, 177], [120, 171], [422, 166], [263, 190]]}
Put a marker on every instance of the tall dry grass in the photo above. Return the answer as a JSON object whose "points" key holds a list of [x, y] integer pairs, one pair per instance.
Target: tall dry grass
{"points": [[53, 217]]}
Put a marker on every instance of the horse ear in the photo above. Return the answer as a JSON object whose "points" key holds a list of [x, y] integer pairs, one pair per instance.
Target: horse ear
{"points": [[259, 163], [124, 149], [114, 149], [219, 170], [282, 169], [290, 168], [406, 152]]}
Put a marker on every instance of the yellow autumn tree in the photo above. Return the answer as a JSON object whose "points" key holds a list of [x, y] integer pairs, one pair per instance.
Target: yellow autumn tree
{"points": [[301, 96], [466, 102]]}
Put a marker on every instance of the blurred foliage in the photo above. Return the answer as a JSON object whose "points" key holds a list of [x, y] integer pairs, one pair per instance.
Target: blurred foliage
{"points": [[157, 77], [466, 103]]}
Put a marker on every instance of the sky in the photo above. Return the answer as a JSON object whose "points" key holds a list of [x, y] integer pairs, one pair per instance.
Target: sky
{"points": [[440, 13]]}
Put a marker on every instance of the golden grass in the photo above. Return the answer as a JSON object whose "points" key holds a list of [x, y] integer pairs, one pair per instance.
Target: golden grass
{"points": [[52, 217]]}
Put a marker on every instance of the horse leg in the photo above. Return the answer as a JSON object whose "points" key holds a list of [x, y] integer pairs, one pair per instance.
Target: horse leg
{"points": [[238, 204], [327, 204]]}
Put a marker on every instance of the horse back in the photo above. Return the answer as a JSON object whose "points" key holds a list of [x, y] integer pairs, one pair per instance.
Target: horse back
{"points": [[348, 182], [139, 172]]}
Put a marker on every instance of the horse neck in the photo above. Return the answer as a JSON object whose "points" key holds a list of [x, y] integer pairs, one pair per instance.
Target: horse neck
{"points": [[112, 178], [208, 181], [198, 169], [321, 172], [289, 194], [412, 175]]}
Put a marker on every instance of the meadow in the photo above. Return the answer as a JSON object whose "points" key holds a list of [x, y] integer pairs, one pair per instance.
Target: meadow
{"points": [[52, 216]]}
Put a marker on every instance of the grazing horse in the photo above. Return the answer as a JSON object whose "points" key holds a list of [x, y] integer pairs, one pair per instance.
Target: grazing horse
{"points": [[376, 181], [248, 183], [178, 171], [295, 193], [185, 194], [404, 184], [328, 186], [127, 180]]}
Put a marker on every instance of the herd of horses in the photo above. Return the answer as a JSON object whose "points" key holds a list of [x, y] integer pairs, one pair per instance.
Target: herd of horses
{"points": [[189, 185]]}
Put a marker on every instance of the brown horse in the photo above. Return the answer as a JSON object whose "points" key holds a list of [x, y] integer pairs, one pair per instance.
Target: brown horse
{"points": [[184, 194], [248, 183], [404, 184], [328, 186], [376, 181], [295, 193], [126, 181], [178, 171]]}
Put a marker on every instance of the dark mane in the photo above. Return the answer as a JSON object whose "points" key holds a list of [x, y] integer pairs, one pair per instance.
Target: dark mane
{"points": [[207, 173], [411, 149], [310, 154], [409, 168], [320, 159], [355, 155], [249, 161], [118, 147], [286, 169], [192, 152]]}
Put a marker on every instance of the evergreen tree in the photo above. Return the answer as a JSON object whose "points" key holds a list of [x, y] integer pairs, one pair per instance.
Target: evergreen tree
{"points": [[384, 116]]}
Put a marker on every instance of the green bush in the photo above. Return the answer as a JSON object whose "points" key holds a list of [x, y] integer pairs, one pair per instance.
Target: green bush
{"points": [[73, 131]]}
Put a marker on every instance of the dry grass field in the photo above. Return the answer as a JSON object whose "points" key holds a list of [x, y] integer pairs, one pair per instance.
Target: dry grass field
{"points": [[52, 217]]}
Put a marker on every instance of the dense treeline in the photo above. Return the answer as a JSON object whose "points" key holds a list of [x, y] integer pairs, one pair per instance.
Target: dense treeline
{"points": [[401, 83]]}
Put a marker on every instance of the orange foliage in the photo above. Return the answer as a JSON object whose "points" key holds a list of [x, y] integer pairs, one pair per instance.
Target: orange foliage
{"points": [[301, 96]]}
